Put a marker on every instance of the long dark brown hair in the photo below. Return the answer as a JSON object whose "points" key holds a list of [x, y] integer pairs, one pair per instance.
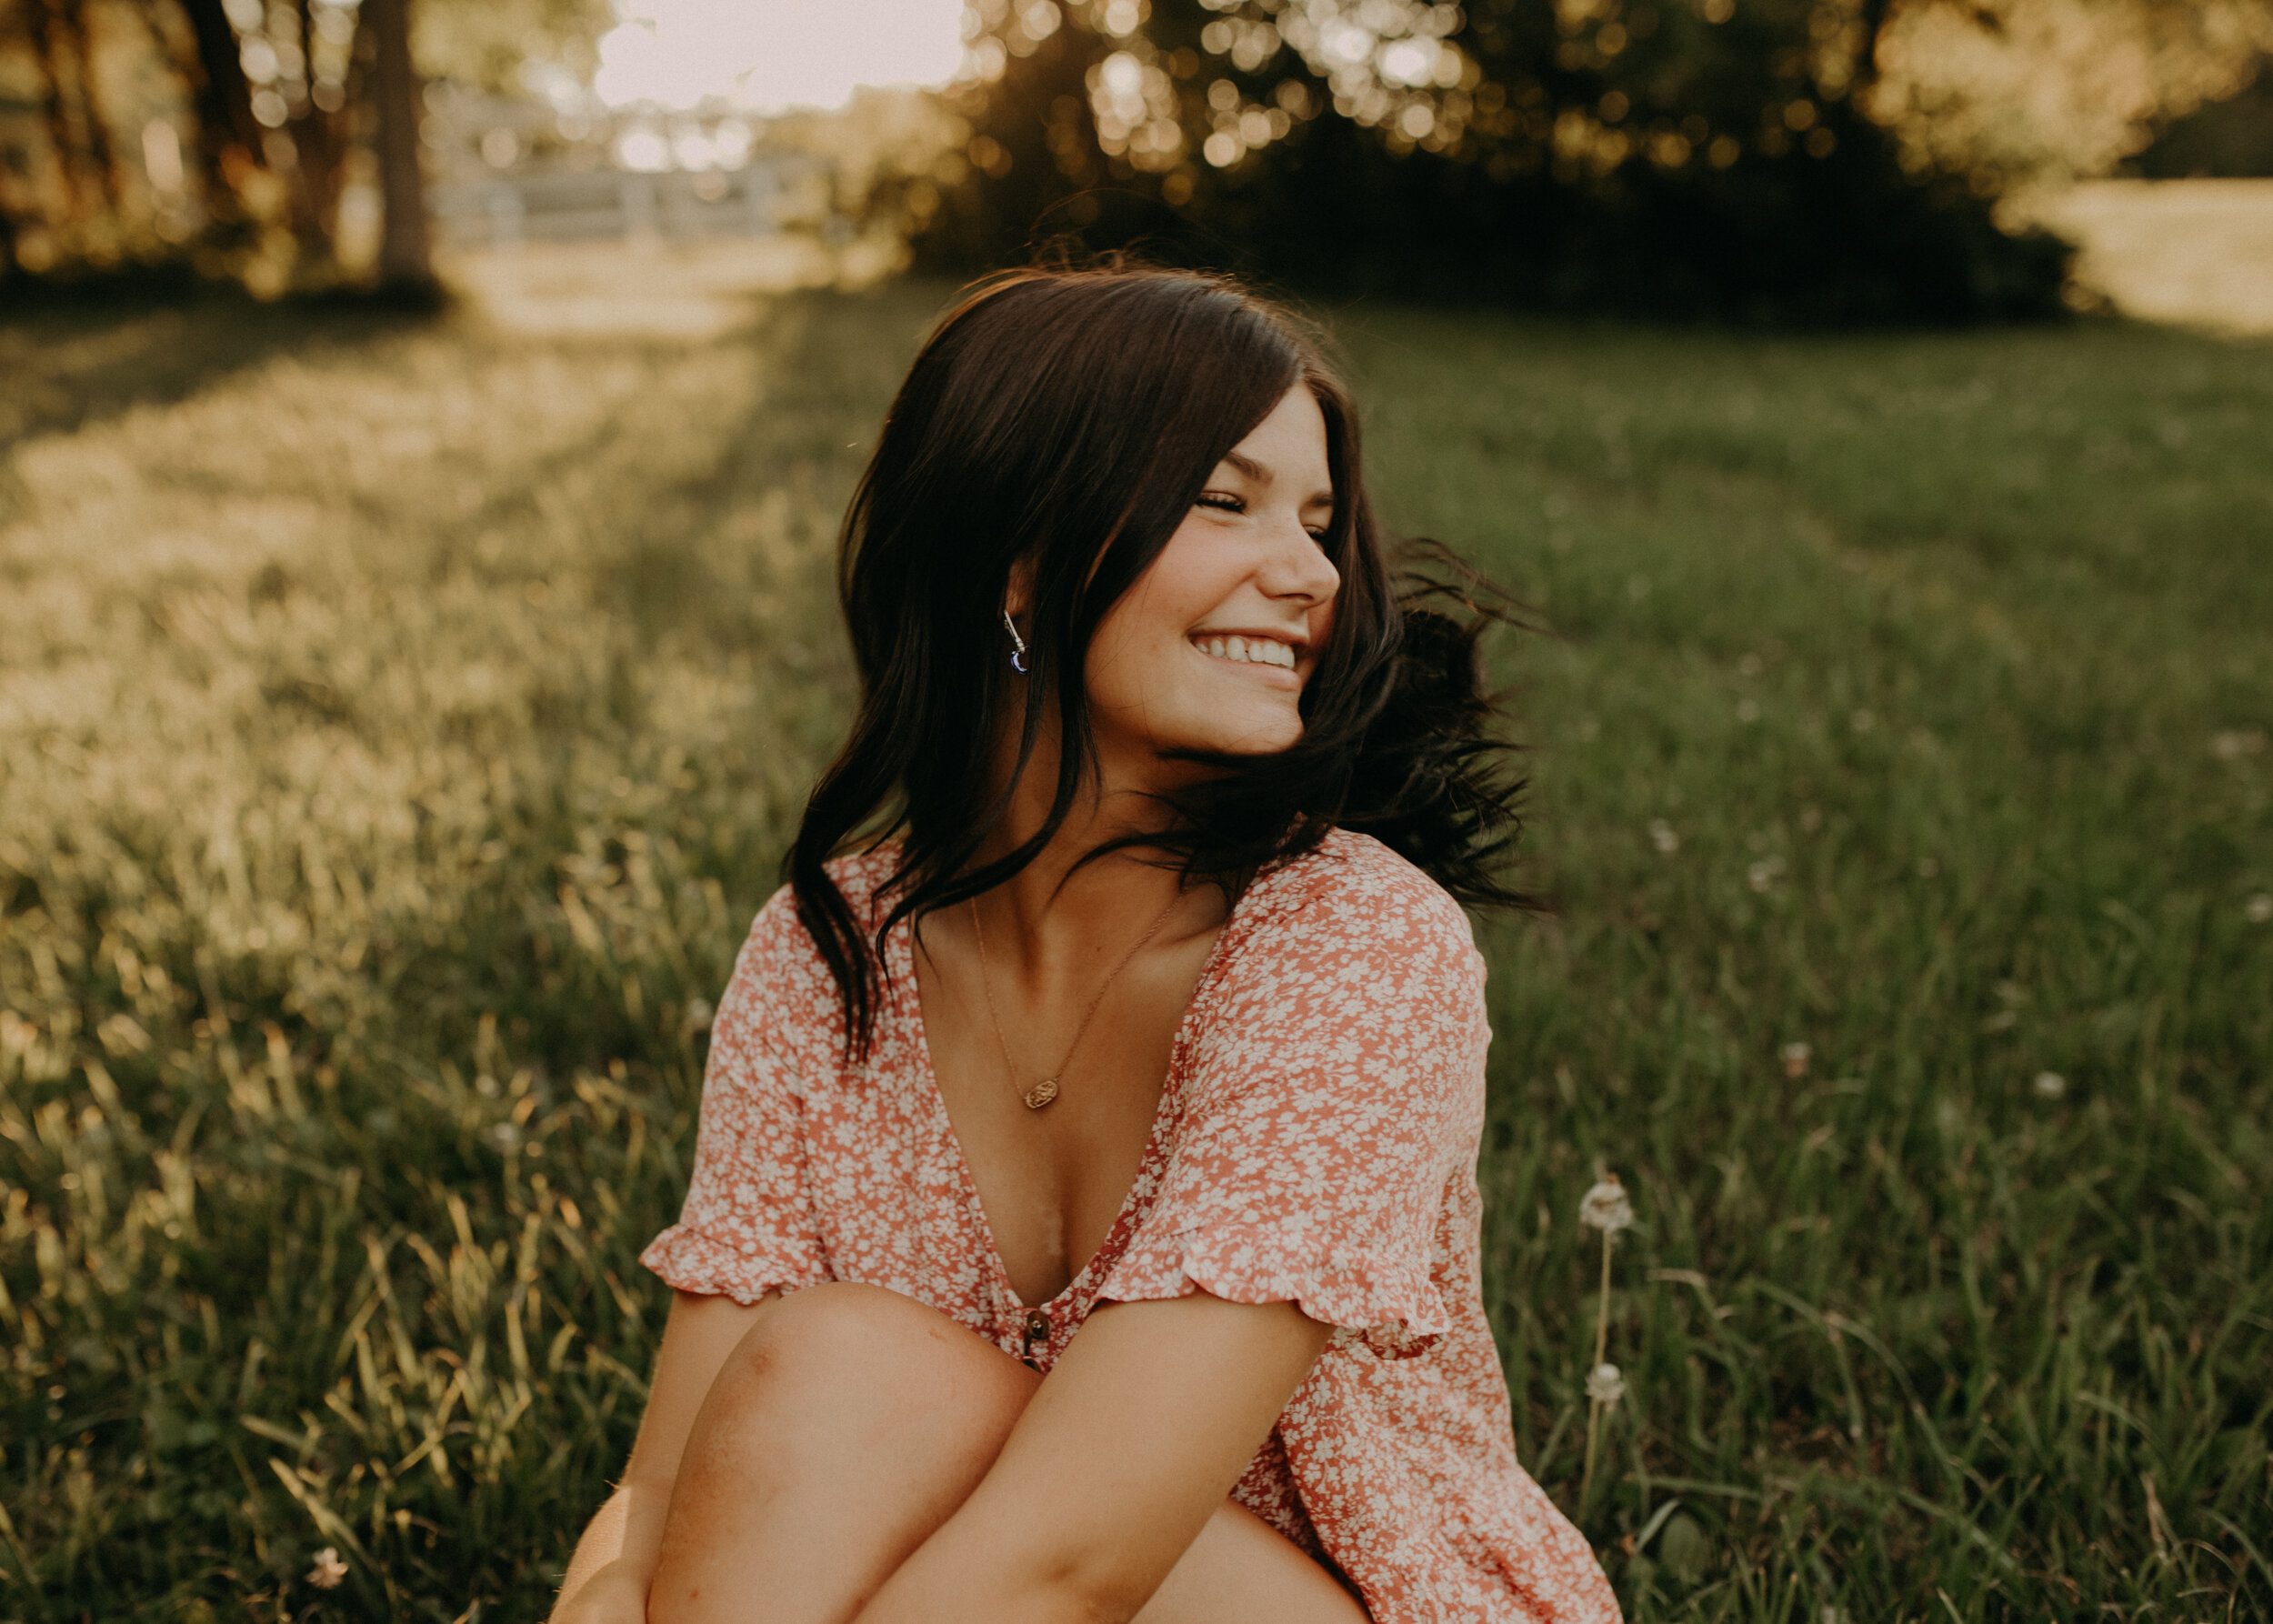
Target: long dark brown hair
{"points": [[1065, 422]]}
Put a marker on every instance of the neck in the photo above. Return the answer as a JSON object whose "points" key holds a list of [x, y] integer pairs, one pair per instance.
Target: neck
{"points": [[1056, 900]]}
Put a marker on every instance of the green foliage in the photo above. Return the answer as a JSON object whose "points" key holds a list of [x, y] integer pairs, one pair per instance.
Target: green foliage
{"points": [[2227, 139], [401, 726], [488, 43], [1693, 156]]}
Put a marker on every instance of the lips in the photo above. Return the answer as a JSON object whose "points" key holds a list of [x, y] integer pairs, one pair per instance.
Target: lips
{"points": [[1246, 649]]}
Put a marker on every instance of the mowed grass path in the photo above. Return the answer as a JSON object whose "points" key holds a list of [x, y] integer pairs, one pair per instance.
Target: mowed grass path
{"points": [[398, 725]]}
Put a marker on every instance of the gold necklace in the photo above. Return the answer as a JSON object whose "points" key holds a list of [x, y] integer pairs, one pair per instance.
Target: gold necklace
{"points": [[1043, 1092]]}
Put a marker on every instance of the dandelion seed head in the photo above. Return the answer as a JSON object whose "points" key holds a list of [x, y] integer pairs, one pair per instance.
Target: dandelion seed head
{"points": [[1605, 1206], [2049, 1085], [1605, 1385], [328, 1570], [2258, 909], [1662, 837], [1795, 1058]]}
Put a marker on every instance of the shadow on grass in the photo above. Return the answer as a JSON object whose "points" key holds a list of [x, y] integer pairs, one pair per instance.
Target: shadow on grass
{"points": [[75, 357]]}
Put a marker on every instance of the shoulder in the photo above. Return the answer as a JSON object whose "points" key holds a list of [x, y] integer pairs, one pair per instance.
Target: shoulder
{"points": [[780, 980], [1352, 890], [1347, 961], [1351, 911], [778, 933]]}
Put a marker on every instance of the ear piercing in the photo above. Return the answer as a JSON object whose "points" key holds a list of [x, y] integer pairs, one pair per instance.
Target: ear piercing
{"points": [[1017, 644]]}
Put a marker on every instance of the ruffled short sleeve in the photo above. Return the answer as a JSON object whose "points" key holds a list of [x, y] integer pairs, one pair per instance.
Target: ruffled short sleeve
{"points": [[1335, 1092], [748, 1226]]}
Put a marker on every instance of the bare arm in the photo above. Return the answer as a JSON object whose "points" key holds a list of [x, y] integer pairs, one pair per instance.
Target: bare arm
{"points": [[1125, 1452], [616, 1559]]}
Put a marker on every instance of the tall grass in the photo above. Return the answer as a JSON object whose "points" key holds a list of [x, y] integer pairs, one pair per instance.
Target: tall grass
{"points": [[1908, 701], [398, 726]]}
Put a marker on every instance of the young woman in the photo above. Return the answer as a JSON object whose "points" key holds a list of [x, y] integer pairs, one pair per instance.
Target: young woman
{"points": [[1084, 1222]]}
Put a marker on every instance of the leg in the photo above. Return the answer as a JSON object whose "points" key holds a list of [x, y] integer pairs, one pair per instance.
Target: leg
{"points": [[849, 1425], [1242, 1570]]}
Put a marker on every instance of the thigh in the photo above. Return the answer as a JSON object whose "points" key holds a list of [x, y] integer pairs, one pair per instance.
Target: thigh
{"points": [[1242, 1570]]}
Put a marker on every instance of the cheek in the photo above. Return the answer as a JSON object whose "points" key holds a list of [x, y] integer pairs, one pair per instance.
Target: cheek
{"points": [[1198, 568], [1129, 658]]}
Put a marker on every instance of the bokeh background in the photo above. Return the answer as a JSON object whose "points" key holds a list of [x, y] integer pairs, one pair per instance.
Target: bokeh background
{"points": [[424, 425]]}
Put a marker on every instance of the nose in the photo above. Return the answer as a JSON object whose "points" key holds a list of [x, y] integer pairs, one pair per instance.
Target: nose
{"points": [[1299, 569]]}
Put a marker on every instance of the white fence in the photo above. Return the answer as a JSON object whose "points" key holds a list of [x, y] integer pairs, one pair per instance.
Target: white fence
{"points": [[510, 170], [510, 208]]}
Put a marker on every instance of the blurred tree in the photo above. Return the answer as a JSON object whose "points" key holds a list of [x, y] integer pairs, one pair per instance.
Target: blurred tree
{"points": [[259, 114], [405, 263], [489, 44], [2017, 95], [229, 144], [1723, 156], [2230, 138]]}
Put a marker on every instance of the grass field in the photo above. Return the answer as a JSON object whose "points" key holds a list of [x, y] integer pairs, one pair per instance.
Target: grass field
{"points": [[399, 723]]}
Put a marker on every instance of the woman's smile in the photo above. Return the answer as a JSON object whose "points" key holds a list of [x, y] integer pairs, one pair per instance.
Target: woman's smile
{"points": [[1271, 652]]}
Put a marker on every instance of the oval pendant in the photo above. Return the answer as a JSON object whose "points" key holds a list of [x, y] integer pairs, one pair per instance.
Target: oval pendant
{"points": [[1041, 1094]]}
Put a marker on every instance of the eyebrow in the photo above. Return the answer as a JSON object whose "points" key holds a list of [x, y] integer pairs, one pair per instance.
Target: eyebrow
{"points": [[1256, 471]]}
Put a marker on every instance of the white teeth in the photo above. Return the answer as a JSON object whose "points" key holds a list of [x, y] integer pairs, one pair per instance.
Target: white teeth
{"points": [[1252, 651]]}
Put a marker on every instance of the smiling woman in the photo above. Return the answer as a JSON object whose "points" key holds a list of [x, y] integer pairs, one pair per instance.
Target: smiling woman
{"points": [[1084, 1221]]}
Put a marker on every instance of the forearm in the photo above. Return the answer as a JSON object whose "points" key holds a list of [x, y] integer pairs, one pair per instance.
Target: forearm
{"points": [[615, 1560], [1114, 1469], [984, 1570]]}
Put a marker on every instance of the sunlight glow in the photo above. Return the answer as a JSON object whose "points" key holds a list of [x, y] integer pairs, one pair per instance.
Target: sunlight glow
{"points": [[769, 55]]}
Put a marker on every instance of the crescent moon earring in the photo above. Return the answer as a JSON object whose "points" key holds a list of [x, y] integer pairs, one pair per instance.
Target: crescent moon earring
{"points": [[1017, 645]]}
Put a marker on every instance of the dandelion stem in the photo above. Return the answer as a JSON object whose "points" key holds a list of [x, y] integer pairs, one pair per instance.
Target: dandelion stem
{"points": [[1602, 1309], [1595, 1406]]}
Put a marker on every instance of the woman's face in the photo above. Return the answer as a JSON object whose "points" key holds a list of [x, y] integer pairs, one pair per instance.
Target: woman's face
{"points": [[1210, 649]]}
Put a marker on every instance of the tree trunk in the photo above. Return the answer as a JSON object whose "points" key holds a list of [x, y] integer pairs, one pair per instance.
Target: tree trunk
{"points": [[228, 136], [405, 263], [319, 137], [8, 263], [101, 151], [51, 47]]}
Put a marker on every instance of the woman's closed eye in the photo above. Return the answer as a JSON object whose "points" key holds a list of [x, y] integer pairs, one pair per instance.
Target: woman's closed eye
{"points": [[1224, 502]]}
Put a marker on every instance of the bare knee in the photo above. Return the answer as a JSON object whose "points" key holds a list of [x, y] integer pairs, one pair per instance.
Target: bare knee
{"points": [[847, 1425], [860, 1356]]}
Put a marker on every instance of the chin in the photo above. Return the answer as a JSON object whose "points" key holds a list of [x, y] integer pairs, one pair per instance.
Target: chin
{"points": [[1266, 736]]}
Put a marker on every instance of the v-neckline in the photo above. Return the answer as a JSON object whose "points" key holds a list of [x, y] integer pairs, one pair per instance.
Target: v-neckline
{"points": [[908, 999]]}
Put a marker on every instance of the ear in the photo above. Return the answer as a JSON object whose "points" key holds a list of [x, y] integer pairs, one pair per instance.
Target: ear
{"points": [[1017, 595]]}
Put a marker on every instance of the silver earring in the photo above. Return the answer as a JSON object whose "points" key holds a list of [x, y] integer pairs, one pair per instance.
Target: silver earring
{"points": [[1017, 644]]}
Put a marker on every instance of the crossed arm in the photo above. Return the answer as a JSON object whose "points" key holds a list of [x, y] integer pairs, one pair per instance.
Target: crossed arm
{"points": [[1104, 1476]]}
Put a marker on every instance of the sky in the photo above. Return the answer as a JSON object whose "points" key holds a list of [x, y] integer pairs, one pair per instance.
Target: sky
{"points": [[768, 55]]}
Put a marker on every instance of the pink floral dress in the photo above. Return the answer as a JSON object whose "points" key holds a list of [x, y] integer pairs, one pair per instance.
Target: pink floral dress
{"points": [[1316, 1143]]}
